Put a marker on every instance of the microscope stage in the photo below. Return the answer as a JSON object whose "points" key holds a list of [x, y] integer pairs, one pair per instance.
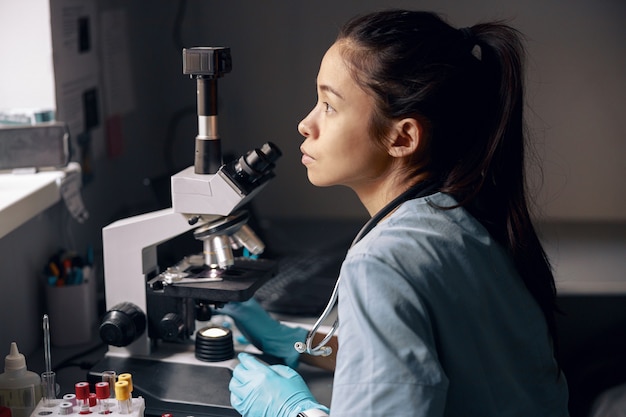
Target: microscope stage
{"points": [[237, 283]]}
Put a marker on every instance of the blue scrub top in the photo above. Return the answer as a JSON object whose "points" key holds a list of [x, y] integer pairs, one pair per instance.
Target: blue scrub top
{"points": [[435, 321]]}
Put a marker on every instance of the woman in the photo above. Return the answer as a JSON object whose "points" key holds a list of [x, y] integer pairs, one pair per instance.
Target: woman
{"points": [[446, 303]]}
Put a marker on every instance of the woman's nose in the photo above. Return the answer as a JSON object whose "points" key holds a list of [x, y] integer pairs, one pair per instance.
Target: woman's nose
{"points": [[303, 128]]}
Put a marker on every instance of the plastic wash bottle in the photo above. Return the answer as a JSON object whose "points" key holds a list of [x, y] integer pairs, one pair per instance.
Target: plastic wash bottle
{"points": [[20, 389]]}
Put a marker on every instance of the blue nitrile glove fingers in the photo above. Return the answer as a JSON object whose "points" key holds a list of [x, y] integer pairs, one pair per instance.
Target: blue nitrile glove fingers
{"points": [[267, 334], [258, 390]]}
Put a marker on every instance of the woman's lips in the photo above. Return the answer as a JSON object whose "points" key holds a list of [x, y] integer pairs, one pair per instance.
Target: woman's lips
{"points": [[306, 158]]}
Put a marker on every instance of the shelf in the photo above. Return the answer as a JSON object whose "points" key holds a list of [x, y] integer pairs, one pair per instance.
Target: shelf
{"points": [[25, 195]]}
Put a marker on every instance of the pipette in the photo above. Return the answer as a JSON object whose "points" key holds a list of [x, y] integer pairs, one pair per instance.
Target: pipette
{"points": [[48, 377], [46, 342]]}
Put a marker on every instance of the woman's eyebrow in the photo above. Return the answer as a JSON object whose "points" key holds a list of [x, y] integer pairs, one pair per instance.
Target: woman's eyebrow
{"points": [[329, 89]]}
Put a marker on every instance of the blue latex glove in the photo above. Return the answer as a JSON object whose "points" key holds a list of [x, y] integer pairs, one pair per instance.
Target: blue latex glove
{"points": [[258, 390], [267, 334]]}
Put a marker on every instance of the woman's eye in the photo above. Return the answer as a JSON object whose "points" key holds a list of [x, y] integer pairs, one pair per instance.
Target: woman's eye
{"points": [[328, 108]]}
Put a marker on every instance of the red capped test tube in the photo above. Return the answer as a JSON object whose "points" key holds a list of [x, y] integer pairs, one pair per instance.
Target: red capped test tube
{"points": [[82, 397], [103, 392]]}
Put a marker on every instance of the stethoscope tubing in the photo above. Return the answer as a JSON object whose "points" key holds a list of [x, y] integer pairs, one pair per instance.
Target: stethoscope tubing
{"points": [[321, 349]]}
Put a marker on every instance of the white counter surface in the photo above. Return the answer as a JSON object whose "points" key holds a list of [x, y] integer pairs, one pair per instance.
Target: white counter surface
{"points": [[25, 195]]}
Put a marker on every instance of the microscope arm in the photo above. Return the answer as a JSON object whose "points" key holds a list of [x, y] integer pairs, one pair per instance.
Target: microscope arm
{"points": [[130, 253]]}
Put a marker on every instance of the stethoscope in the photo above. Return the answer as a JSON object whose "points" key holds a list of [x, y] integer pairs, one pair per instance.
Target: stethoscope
{"points": [[417, 191]]}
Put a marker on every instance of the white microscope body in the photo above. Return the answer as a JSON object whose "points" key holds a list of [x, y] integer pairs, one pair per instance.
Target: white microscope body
{"points": [[151, 314], [206, 198], [130, 245]]}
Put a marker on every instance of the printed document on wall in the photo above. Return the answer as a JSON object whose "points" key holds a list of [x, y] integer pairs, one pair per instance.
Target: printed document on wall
{"points": [[76, 63]]}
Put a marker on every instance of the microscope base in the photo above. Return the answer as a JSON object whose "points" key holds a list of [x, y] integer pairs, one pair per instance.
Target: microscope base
{"points": [[187, 389]]}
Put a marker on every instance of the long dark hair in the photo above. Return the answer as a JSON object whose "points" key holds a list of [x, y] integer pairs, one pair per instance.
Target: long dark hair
{"points": [[465, 87]]}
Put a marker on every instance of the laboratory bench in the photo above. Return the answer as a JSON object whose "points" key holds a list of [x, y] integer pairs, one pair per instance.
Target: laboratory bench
{"points": [[591, 340], [180, 389]]}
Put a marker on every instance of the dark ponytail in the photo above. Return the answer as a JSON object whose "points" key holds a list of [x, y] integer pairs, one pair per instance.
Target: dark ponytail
{"points": [[466, 88], [500, 201]]}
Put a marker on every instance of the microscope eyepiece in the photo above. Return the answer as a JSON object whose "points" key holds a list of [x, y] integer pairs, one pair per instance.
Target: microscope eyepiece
{"points": [[259, 161], [271, 151], [255, 165]]}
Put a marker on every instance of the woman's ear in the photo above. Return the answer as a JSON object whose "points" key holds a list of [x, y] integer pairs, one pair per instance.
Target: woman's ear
{"points": [[405, 137]]}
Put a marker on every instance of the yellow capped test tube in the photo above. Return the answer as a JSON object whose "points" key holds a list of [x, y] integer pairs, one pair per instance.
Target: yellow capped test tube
{"points": [[127, 377], [122, 395]]}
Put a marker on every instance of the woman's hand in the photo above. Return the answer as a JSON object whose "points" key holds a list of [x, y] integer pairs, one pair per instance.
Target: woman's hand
{"points": [[269, 391], [267, 334]]}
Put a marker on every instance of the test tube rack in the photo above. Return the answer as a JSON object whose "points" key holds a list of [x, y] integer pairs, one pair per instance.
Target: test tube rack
{"points": [[53, 408]]}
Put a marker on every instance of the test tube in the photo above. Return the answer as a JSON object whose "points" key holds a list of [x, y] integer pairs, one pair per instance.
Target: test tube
{"points": [[49, 387], [70, 398], [82, 396], [103, 392], [93, 401], [66, 408], [129, 378], [124, 400], [109, 376]]}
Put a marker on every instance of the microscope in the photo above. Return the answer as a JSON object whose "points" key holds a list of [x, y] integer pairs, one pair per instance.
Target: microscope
{"points": [[151, 311]]}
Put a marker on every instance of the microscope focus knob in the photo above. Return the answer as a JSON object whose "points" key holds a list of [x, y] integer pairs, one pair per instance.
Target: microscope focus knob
{"points": [[203, 310], [122, 325], [171, 327]]}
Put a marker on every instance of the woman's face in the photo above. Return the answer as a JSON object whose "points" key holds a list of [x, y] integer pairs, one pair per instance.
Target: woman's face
{"points": [[338, 149]]}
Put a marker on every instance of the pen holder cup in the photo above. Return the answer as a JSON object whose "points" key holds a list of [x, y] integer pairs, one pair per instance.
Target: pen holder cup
{"points": [[72, 310]]}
